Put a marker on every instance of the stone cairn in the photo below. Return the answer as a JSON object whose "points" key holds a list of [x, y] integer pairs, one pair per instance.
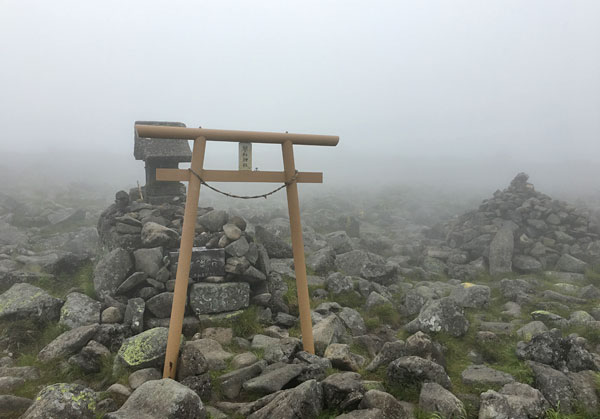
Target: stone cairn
{"points": [[522, 230], [138, 272]]}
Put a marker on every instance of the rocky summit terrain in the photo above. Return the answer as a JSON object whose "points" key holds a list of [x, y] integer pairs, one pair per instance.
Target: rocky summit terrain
{"points": [[416, 313]]}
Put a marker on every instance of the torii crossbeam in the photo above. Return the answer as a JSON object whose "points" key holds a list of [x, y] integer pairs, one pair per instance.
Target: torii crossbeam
{"points": [[289, 176]]}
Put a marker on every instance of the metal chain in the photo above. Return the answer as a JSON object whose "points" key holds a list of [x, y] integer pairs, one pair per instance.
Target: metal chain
{"points": [[230, 195]]}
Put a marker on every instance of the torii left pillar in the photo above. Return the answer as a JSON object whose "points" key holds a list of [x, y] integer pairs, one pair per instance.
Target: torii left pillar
{"points": [[188, 232]]}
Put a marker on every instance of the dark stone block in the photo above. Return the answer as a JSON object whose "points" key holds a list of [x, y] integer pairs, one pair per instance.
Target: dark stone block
{"points": [[205, 262]]}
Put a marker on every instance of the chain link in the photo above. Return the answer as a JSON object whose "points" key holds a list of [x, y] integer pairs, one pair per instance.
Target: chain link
{"points": [[230, 195]]}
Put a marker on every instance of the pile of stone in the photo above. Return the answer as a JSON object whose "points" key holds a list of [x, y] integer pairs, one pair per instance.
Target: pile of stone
{"points": [[137, 275], [521, 230]]}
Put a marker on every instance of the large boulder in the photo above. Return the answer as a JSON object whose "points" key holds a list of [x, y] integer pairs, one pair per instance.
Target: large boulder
{"points": [[389, 406], [409, 369], [209, 298], [111, 271], [554, 385], [156, 235], [514, 400], [144, 350], [276, 248], [26, 301], [435, 398], [274, 380], [471, 295], [148, 261], [443, 315], [165, 399], [68, 343], [63, 401], [79, 310], [214, 220], [568, 263], [302, 402]]}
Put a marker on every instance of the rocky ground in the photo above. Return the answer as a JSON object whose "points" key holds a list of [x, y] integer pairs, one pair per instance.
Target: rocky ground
{"points": [[491, 314]]}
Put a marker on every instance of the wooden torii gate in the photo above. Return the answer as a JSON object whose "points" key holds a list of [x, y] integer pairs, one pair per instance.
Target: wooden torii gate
{"points": [[196, 174]]}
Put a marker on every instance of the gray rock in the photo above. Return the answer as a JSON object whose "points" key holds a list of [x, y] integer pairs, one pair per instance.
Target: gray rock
{"points": [[339, 241], [214, 220], [139, 377], [526, 264], [79, 310], [375, 300], [302, 402], [64, 401], [166, 399], [569, 263], [341, 358], [68, 343], [146, 349], [531, 329], [232, 231], [514, 400], [388, 353], [361, 414], [414, 368], [584, 385], [8, 384], [275, 247], [554, 385], [390, 407], [90, 358], [206, 298], [243, 360], [481, 375], [160, 305], [353, 321], [283, 351], [231, 382], [134, 314], [149, 261], [435, 398], [516, 289], [353, 262], [238, 248], [440, 315], [156, 235], [25, 301], [501, 251], [322, 261], [112, 315], [213, 353], [191, 362], [343, 390], [200, 384], [327, 331], [338, 283], [13, 406], [111, 271], [135, 280], [471, 295], [26, 373], [272, 381]]}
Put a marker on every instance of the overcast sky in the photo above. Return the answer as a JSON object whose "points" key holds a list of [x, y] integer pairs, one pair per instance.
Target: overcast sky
{"points": [[455, 91]]}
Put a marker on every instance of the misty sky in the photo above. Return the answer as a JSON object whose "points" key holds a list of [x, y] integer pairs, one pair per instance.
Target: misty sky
{"points": [[464, 91]]}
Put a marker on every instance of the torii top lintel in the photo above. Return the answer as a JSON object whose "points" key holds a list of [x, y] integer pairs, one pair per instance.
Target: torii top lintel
{"points": [[181, 133]]}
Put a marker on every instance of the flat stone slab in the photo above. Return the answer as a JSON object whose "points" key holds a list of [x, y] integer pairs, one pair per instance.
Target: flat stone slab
{"points": [[208, 298], [484, 375], [26, 301], [205, 262]]}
